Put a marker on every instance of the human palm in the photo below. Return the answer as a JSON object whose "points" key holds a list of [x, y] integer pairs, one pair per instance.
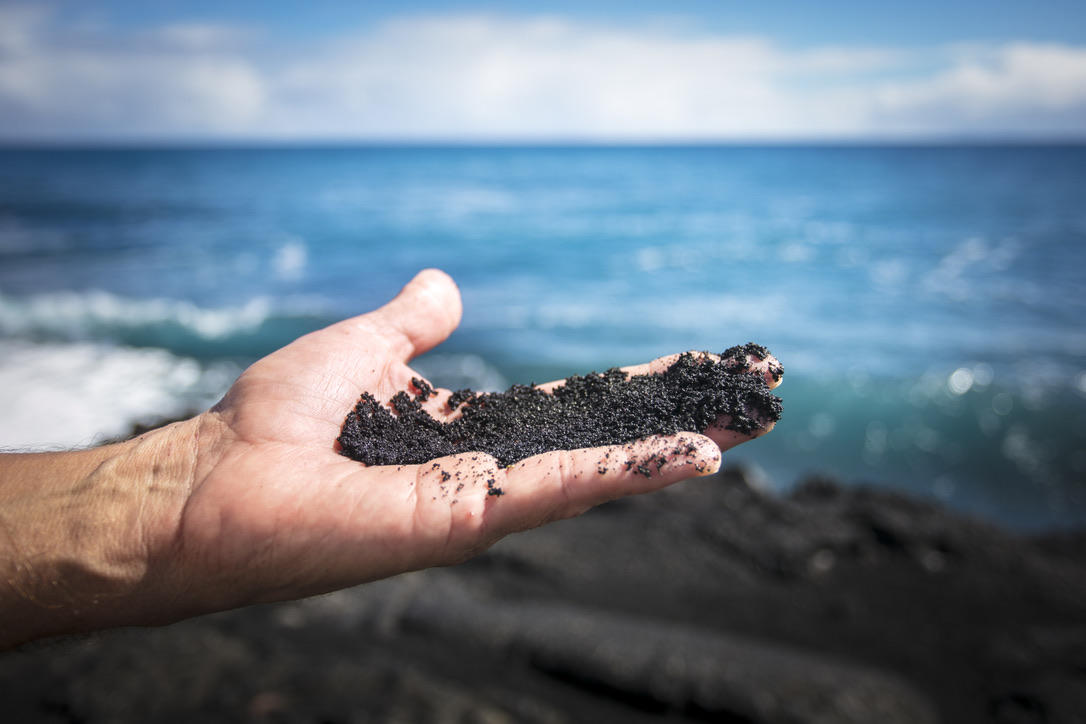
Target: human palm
{"points": [[275, 512]]}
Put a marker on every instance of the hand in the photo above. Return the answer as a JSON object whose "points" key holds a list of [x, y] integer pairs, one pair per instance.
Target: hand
{"points": [[268, 510]]}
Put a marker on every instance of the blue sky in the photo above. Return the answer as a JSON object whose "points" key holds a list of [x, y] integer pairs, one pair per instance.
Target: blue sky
{"points": [[617, 70], [803, 23]]}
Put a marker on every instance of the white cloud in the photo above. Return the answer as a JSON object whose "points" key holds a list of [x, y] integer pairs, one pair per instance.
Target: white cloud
{"points": [[170, 83], [199, 36], [481, 76], [1016, 87]]}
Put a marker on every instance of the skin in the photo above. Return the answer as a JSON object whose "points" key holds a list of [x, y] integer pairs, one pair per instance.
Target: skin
{"points": [[250, 502]]}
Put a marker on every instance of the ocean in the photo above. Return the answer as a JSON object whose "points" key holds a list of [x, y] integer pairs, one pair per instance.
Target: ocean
{"points": [[927, 302]]}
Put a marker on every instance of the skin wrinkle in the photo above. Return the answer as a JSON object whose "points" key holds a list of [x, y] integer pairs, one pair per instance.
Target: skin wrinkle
{"points": [[101, 555], [335, 382], [486, 467], [174, 547], [426, 505], [114, 560], [180, 538], [403, 345], [429, 495], [563, 467], [481, 520], [323, 537], [345, 389], [276, 393], [373, 333], [451, 531], [416, 495], [331, 402], [21, 562], [387, 389], [149, 488], [357, 500]]}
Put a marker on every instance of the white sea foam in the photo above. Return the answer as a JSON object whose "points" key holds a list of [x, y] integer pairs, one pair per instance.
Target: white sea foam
{"points": [[58, 396], [290, 259], [85, 315], [64, 395]]}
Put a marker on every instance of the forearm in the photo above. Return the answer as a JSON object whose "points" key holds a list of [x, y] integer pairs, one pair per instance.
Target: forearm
{"points": [[81, 533]]}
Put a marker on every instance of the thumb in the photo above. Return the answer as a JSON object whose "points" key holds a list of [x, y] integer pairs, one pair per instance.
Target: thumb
{"points": [[421, 316]]}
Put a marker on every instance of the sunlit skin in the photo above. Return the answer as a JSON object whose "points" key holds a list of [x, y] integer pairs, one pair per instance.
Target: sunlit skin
{"points": [[251, 502]]}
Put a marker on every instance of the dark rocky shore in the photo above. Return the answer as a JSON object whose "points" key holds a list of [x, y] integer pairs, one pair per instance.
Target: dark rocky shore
{"points": [[710, 601]]}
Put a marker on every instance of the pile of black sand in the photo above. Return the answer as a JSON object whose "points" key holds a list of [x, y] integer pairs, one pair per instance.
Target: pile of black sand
{"points": [[586, 411]]}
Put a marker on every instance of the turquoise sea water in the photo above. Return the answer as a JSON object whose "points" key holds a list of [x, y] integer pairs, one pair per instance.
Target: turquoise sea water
{"points": [[927, 302]]}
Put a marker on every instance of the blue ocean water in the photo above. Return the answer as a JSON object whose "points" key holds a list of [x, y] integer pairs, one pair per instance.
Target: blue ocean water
{"points": [[927, 302]]}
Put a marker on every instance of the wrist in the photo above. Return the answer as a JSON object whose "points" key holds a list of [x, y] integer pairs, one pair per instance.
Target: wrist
{"points": [[86, 536]]}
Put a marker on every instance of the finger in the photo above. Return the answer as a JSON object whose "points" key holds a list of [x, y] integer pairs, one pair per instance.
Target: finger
{"points": [[740, 361], [434, 400], [565, 483], [422, 315], [719, 433]]}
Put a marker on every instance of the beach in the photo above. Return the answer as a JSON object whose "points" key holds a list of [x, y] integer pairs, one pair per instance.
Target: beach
{"points": [[301, 299], [713, 600]]}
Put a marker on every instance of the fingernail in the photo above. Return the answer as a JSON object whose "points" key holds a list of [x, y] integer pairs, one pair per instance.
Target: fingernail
{"points": [[713, 464]]}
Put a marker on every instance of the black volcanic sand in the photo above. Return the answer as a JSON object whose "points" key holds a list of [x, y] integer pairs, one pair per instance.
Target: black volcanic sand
{"points": [[708, 601], [585, 411]]}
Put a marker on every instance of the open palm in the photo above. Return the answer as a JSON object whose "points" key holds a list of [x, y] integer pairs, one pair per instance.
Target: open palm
{"points": [[275, 512]]}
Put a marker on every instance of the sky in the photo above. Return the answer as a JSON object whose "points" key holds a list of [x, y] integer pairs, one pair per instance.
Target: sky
{"points": [[633, 70]]}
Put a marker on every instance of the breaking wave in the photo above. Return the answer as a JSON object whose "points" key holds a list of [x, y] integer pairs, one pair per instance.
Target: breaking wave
{"points": [[182, 327], [63, 395]]}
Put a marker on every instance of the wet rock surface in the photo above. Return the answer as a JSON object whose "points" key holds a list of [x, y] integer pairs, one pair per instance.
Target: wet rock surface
{"points": [[709, 601]]}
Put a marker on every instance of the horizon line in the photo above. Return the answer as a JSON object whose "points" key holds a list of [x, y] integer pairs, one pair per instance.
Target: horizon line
{"points": [[211, 143]]}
